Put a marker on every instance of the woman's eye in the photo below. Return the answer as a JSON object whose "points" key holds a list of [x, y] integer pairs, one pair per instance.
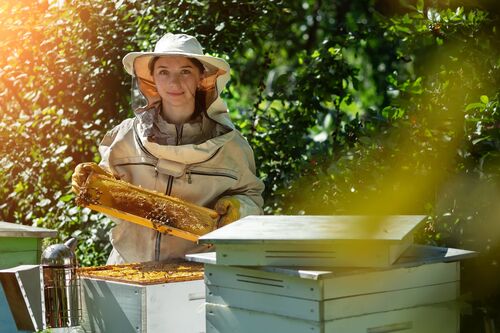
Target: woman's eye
{"points": [[163, 72], [185, 71]]}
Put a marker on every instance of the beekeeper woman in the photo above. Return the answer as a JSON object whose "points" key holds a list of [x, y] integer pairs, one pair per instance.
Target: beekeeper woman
{"points": [[181, 143]]}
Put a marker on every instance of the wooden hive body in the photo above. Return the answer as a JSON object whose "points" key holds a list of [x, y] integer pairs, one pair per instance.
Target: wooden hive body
{"points": [[445, 319], [116, 307], [164, 297], [322, 300], [20, 244]]}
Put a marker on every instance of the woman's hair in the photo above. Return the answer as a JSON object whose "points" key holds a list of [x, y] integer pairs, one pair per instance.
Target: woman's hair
{"points": [[200, 97]]}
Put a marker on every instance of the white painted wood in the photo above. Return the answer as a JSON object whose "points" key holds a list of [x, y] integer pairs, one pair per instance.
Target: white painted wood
{"points": [[176, 307], [274, 304], [18, 230], [223, 319], [336, 308], [358, 282], [22, 286], [415, 255], [304, 228], [335, 241], [112, 307], [334, 254], [115, 307], [425, 254], [391, 300], [438, 318], [331, 296], [435, 318], [261, 281], [204, 257]]}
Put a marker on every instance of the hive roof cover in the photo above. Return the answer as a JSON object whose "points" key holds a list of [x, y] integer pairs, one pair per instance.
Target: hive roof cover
{"points": [[314, 228], [8, 229]]}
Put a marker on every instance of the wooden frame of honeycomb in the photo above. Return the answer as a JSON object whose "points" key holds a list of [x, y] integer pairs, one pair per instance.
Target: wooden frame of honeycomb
{"points": [[102, 192], [146, 273]]}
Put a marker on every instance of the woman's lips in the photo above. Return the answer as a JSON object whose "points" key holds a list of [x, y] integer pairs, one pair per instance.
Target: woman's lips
{"points": [[175, 93]]}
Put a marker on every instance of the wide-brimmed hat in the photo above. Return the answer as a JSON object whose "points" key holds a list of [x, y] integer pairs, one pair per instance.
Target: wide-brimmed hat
{"points": [[137, 63]]}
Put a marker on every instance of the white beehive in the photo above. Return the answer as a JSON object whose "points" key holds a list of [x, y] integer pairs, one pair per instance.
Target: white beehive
{"points": [[340, 241], [116, 307], [242, 299]]}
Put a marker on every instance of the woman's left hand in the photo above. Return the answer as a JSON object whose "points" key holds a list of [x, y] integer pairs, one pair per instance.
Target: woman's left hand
{"points": [[228, 209]]}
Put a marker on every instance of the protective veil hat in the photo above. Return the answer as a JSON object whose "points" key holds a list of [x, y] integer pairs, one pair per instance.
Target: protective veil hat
{"points": [[216, 72]]}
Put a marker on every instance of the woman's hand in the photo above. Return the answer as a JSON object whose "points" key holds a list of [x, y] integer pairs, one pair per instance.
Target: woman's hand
{"points": [[228, 209], [82, 171]]}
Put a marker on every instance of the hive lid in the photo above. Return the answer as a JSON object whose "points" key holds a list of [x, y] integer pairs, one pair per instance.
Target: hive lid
{"points": [[415, 255], [8, 229], [314, 229]]}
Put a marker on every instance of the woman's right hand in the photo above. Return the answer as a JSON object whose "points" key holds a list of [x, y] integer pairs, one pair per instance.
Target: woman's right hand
{"points": [[82, 172]]}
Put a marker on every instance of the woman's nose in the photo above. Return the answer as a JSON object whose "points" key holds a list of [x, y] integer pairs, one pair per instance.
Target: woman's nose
{"points": [[174, 79]]}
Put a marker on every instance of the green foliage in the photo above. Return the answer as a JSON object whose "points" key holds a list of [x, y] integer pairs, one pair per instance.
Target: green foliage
{"points": [[350, 106], [62, 88]]}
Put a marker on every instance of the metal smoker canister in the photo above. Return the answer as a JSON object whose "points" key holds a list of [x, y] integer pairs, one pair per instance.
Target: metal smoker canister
{"points": [[61, 286]]}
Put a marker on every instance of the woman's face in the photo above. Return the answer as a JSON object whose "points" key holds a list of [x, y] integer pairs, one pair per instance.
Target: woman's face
{"points": [[176, 80]]}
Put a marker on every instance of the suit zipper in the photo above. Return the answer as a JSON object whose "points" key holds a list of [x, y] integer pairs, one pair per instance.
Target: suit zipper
{"points": [[168, 191], [139, 142], [178, 135], [170, 181]]}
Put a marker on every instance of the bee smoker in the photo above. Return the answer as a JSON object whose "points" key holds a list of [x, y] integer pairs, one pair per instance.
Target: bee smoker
{"points": [[61, 286]]}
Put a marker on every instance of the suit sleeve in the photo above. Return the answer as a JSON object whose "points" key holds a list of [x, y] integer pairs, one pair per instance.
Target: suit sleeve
{"points": [[249, 188], [104, 148]]}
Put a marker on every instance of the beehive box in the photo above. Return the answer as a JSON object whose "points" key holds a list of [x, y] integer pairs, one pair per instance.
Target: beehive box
{"points": [[305, 300], [435, 318], [19, 245], [149, 302], [341, 241]]}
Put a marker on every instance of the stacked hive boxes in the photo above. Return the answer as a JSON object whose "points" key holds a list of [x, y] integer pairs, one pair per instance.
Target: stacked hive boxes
{"points": [[327, 274]]}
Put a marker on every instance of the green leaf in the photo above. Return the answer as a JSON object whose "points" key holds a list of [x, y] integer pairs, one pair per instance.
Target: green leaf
{"points": [[67, 197], [476, 141], [474, 106], [333, 51], [420, 6], [403, 29], [485, 99], [19, 187]]}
